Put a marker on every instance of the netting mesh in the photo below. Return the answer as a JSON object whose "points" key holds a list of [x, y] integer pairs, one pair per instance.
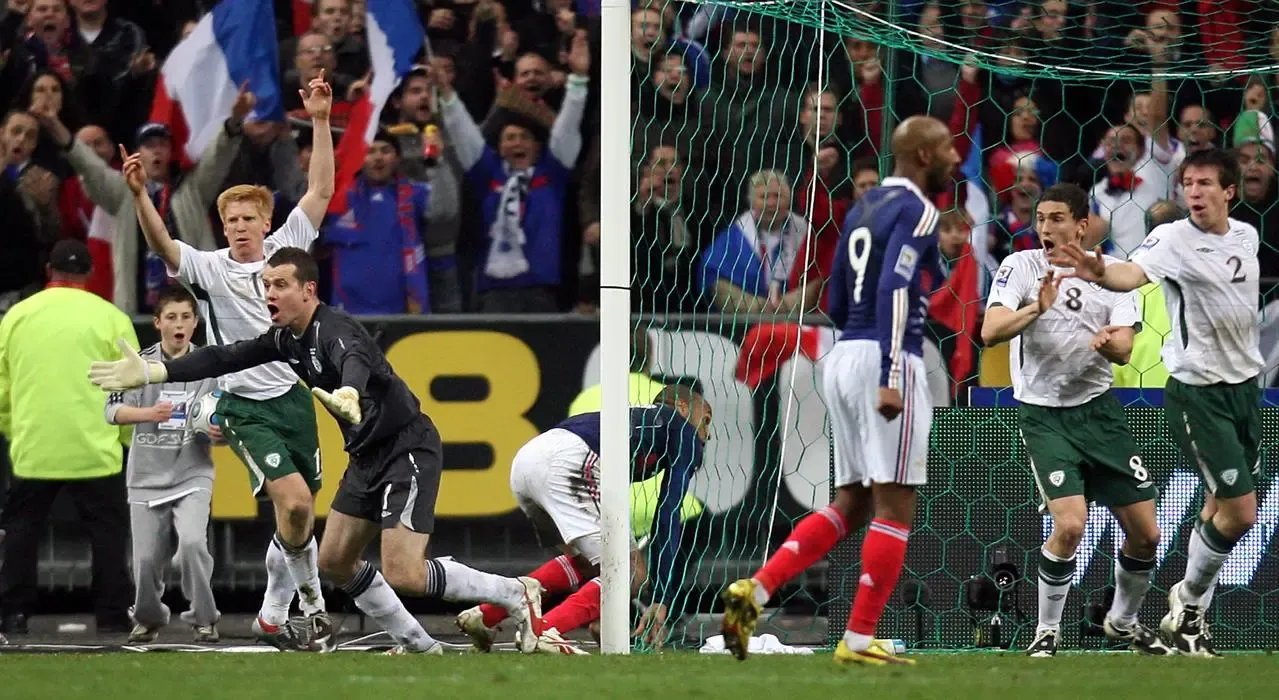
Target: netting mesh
{"points": [[753, 134]]}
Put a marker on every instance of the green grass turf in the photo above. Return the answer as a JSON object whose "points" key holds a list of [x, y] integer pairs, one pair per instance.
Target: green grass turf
{"points": [[508, 676]]}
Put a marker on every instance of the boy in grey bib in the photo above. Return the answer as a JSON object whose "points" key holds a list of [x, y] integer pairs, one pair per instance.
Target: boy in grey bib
{"points": [[170, 480]]}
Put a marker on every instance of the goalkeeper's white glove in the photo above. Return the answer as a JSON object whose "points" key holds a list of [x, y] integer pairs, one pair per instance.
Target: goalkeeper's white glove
{"points": [[128, 372], [343, 403]]}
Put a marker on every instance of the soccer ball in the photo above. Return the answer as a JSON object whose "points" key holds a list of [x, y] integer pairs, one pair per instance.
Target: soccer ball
{"points": [[202, 413]]}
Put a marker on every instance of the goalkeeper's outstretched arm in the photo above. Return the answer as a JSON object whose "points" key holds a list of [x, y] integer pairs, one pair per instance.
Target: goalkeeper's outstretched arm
{"points": [[217, 360]]}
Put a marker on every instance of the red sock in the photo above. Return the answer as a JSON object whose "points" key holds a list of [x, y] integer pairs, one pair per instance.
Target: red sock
{"points": [[883, 553], [815, 535], [559, 575], [581, 608]]}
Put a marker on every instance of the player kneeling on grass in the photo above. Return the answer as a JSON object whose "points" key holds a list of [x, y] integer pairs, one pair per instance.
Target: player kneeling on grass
{"points": [[1067, 332], [170, 478], [555, 479], [393, 476]]}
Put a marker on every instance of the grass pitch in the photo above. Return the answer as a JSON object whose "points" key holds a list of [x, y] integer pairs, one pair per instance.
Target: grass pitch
{"points": [[668, 676]]}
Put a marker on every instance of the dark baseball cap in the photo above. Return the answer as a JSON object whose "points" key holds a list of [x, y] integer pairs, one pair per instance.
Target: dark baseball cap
{"points": [[71, 256], [152, 130]]}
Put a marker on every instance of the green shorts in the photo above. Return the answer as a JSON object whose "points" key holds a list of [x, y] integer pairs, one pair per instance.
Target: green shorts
{"points": [[1218, 430], [1086, 451], [274, 438]]}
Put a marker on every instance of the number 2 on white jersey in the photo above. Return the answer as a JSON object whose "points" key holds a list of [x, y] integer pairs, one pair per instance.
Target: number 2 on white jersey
{"points": [[858, 256]]}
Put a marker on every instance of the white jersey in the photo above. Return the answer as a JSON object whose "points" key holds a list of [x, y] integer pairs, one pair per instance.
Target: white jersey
{"points": [[1211, 285], [1051, 362], [233, 303]]}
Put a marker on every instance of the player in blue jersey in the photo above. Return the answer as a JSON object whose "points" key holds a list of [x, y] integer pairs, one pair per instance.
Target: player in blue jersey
{"points": [[555, 478], [886, 265]]}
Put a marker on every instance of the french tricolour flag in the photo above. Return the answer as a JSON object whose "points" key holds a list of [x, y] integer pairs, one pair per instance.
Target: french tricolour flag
{"points": [[395, 37], [234, 43]]}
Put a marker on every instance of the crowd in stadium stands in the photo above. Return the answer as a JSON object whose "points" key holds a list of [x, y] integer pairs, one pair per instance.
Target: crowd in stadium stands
{"points": [[743, 163]]}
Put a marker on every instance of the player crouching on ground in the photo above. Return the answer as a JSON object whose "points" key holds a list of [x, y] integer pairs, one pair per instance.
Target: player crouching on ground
{"points": [[555, 478], [393, 476], [1067, 333], [170, 482]]}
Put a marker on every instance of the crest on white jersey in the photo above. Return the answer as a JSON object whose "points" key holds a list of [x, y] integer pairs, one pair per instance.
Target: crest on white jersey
{"points": [[1056, 478], [1001, 277]]}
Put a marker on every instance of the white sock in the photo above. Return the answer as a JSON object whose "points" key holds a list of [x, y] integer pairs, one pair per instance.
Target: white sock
{"points": [[1205, 600], [304, 567], [279, 587], [1132, 581], [1208, 550], [1055, 575], [458, 582], [376, 599], [857, 642], [762, 595]]}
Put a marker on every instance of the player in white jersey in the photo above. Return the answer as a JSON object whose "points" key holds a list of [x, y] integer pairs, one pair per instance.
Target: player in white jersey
{"points": [[267, 417], [1207, 266], [1065, 334]]}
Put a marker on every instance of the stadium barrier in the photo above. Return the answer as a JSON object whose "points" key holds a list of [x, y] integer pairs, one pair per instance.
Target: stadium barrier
{"points": [[491, 383]]}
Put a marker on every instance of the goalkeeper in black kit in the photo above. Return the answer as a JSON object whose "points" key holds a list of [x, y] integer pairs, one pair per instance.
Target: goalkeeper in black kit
{"points": [[393, 477]]}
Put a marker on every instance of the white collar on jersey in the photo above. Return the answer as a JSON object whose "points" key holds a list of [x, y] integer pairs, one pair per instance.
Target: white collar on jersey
{"points": [[897, 181]]}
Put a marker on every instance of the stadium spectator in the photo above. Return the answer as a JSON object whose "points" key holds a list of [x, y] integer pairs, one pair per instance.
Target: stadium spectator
{"points": [[1136, 178], [1254, 144], [35, 185], [867, 81], [46, 89], [268, 156], [934, 78], [747, 269], [825, 181], [1017, 218], [120, 49], [664, 244], [954, 309], [84, 220], [58, 442], [865, 174], [523, 187], [380, 228], [412, 113], [332, 19], [183, 199], [1019, 146], [48, 43], [736, 99], [315, 55]]}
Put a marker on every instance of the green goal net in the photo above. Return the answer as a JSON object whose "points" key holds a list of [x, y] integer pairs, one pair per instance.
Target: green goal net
{"points": [[755, 127]]}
